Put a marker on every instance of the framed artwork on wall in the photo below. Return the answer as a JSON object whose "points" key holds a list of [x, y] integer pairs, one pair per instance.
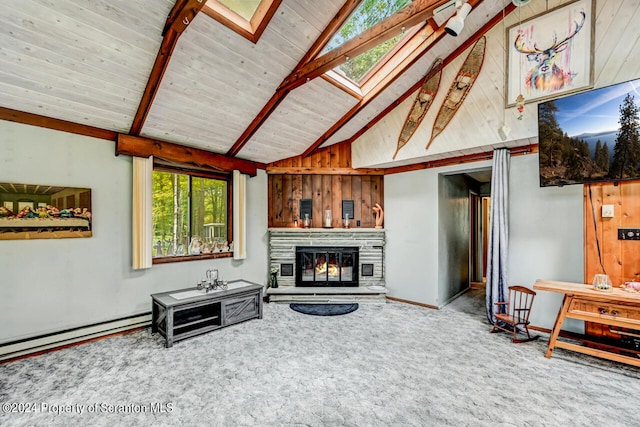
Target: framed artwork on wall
{"points": [[550, 54], [31, 211]]}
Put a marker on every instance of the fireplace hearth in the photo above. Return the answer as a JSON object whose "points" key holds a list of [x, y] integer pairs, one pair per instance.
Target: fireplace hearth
{"points": [[326, 266]]}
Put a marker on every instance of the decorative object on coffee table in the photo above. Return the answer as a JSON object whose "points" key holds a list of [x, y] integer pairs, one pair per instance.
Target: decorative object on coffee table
{"points": [[601, 282], [631, 286]]}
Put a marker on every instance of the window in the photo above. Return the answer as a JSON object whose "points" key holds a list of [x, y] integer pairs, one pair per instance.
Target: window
{"points": [[369, 13], [248, 18], [356, 68], [191, 216], [244, 8]]}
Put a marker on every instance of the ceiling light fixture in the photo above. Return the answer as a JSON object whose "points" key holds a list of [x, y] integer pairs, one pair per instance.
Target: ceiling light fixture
{"points": [[456, 24]]}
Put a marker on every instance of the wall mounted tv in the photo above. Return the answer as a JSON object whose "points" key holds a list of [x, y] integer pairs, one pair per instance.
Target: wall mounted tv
{"points": [[590, 136]]}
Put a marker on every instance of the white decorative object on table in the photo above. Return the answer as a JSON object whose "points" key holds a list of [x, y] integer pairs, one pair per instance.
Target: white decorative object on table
{"points": [[631, 286]]}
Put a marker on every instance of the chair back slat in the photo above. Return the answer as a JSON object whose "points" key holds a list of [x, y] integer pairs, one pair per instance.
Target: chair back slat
{"points": [[520, 303]]}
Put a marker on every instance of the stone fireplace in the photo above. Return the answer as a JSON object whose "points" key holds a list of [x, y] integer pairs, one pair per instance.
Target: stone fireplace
{"points": [[359, 276]]}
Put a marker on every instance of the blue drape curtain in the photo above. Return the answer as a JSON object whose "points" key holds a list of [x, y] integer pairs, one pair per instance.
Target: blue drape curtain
{"points": [[497, 277]]}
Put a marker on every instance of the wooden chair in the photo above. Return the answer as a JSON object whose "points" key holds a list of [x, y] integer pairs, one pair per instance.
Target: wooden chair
{"points": [[513, 315]]}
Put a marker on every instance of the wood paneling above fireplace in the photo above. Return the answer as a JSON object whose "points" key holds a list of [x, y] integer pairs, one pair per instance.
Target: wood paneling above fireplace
{"points": [[326, 177]]}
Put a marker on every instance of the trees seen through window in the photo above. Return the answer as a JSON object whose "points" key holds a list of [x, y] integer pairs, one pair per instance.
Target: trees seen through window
{"points": [[186, 207]]}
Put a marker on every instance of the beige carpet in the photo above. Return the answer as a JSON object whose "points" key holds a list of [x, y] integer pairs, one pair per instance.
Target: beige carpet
{"points": [[384, 365]]}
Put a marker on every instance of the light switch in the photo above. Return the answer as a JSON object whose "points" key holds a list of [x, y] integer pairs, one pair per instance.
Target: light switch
{"points": [[607, 211]]}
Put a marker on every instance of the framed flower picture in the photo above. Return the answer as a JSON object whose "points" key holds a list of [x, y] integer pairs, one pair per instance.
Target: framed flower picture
{"points": [[550, 54]]}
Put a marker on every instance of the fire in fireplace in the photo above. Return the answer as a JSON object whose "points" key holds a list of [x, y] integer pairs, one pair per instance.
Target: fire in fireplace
{"points": [[326, 266]]}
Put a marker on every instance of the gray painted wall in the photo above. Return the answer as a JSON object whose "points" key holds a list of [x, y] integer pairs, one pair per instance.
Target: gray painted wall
{"points": [[546, 235], [49, 285], [53, 284], [453, 236], [411, 202], [411, 222]]}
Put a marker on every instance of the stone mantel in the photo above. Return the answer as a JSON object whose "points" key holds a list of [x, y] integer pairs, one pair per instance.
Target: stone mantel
{"points": [[370, 241], [378, 231]]}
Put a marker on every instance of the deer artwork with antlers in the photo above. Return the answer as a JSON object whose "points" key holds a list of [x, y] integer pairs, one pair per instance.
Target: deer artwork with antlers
{"points": [[546, 75]]}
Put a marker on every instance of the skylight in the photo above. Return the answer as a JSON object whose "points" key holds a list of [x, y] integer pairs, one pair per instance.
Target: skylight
{"points": [[369, 13], [356, 68], [244, 8], [248, 18]]}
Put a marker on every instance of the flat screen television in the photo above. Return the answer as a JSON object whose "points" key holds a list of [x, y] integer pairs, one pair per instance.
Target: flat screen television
{"points": [[591, 136]]}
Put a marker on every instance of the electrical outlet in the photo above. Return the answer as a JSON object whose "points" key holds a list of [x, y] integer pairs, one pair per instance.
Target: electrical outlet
{"points": [[358, 223], [628, 233], [607, 211]]}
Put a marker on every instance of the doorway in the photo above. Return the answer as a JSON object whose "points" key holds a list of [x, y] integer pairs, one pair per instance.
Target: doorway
{"points": [[464, 200], [480, 208]]}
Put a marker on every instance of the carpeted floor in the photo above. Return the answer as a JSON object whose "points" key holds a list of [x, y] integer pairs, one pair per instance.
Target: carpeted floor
{"points": [[382, 365]]}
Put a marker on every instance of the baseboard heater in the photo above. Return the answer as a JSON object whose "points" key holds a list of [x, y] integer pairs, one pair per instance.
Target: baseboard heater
{"points": [[26, 346]]}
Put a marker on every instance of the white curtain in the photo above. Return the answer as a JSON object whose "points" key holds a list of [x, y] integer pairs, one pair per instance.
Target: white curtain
{"points": [[497, 277], [239, 215], [142, 227]]}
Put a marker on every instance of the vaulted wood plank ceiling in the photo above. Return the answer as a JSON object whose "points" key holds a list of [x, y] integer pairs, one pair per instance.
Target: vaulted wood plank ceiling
{"points": [[165, 70]]}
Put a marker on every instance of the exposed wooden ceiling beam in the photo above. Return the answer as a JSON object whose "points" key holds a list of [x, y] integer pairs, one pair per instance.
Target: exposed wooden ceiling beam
{"points": [[310, 170], [416, 12], [334, 25], [137, 146], [438, 34], [341, 17], [145, 147], [257, 121], [467, 158], [179, 18], [55, 124]]}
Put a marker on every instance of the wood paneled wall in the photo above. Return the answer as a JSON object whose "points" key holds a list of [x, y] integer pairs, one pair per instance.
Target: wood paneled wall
{"points": [[620, 258], [325, 177]]}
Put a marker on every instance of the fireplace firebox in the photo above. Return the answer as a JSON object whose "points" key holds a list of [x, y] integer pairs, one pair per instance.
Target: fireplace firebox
{"points": [[326, 266]]}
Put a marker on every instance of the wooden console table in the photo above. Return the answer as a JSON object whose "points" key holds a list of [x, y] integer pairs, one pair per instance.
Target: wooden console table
{"points": [[612, 308], [183, 313]]}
